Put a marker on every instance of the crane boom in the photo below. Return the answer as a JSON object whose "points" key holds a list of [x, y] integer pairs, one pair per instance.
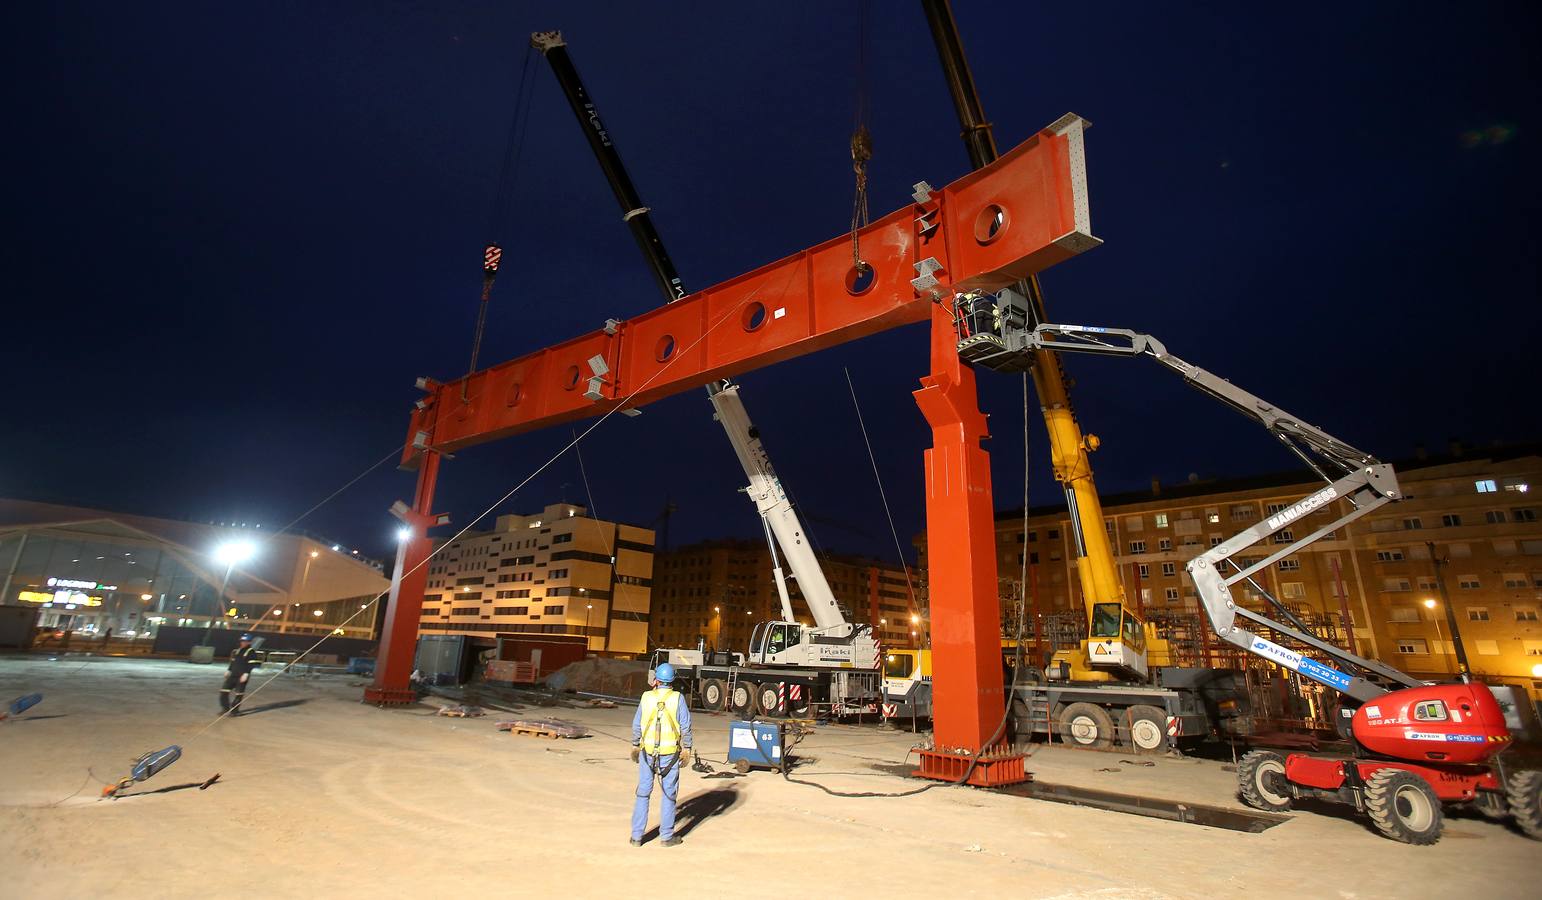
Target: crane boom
{"points": [[779, 519], [1070, 450]]}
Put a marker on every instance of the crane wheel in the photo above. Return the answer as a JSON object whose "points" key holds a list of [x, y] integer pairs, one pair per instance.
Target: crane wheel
{"points": [[1086, 726], [1523, 790], [714, 695], [1145, 729], [742, 699], [1403, 806], [766, 700], [1261, 781]]}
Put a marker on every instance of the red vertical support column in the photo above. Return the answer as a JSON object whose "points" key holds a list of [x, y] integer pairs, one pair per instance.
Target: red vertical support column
{"points": [[961, 554], [398, 640]]}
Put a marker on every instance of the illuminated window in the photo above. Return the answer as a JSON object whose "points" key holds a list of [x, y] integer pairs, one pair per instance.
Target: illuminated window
{"points": [[1413, 646], [1161, 520], [1485, 486]]}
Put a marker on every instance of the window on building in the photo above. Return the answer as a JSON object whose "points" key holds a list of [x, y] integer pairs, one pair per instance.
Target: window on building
{"points": [[1213, 516], [553, 610], [1284, 536], [1274, 508], [1215, 540], [1494, 517], [1389, 555], [1523, 514], [1290, 564], [1532, 648], [1458, 551], [1485, 486], [557, 573], [1241, 513], [1145, 570], [1506, 548], [1169, 569], [1525, 614], [1395, 584], [1053, 534], [1033, 537], [1292, 590], [1021, 537], [1172, 595], [1468, 582], [1137, 546], [1486, 648], [1450, 520], [562, 538], [1516, 485], [1412, 523], [1403, 614], [1413, 646], [1161, 520], [1477, 614], [1165, 544], [1516, 580]]}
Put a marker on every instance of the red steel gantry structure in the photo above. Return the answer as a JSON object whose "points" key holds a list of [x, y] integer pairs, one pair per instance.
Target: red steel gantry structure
{"points": [[989, 229]]}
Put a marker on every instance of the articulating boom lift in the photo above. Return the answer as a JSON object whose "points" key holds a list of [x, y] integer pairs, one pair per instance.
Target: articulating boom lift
{"points": [[1415, 746]]}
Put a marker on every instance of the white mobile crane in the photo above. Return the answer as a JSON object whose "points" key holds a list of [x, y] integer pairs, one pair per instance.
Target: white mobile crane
{"points": [[789, 667], [1412, 746]]}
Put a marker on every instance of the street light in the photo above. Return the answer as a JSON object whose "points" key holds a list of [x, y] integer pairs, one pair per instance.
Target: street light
{"points": [[588, 611], [1429, 603], [231, 553]]}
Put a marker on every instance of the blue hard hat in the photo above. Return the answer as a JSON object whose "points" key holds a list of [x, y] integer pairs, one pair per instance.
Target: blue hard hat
{"points": [[664, 674], [246, 637]]}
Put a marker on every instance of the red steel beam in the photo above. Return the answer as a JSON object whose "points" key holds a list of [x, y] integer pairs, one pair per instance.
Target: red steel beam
{"points": [[806, 302]]}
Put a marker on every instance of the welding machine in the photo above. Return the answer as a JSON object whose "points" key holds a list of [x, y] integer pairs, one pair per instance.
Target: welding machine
{"points": [[756, 745]]}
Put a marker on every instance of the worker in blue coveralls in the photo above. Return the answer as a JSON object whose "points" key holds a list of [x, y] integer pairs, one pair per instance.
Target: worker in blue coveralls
{"points": [[661, 744]]}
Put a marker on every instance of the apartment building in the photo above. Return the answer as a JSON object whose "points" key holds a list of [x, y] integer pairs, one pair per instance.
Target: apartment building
{"points": [[556, 572], [716, 591], [1377, 578]]}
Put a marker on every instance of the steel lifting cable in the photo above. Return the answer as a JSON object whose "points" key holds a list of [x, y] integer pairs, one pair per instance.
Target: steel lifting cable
{"points": [[641, 388], [861, 146], [881, 493], [503, 201]]}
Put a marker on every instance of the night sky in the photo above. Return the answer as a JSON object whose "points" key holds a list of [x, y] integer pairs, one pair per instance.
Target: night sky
{"points": [[238, 232]]}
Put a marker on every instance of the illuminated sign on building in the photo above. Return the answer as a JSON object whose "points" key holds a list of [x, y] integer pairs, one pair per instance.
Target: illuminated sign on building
{"points": [[66, 599], [82, 585]]}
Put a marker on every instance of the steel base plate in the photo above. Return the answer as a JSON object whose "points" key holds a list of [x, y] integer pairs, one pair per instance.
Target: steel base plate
{"points": [[994, 768], [390, 696]]}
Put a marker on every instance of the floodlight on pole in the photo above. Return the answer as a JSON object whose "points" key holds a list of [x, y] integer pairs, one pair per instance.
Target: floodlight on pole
{"points": [[231, 553]]}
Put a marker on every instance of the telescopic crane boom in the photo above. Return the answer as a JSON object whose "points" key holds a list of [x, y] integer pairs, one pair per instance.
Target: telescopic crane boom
{"points": [[778, 518]]}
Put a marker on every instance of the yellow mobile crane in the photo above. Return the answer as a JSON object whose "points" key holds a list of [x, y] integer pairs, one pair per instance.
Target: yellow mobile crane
{"points": [[1119, 646]]}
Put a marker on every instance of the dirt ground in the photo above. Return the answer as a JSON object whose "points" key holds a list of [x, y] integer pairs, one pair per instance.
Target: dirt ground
{"points": [[321, 794]]}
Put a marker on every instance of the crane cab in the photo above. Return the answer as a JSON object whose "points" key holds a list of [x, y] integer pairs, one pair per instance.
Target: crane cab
{"points": [[1115, 649], [794, 644]]}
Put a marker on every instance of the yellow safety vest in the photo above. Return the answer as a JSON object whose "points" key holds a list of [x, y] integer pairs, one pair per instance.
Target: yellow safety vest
{"points": [[660, 724]]}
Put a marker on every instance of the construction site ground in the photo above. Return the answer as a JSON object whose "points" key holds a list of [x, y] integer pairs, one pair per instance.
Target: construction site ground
{"points": [[320, 794]]}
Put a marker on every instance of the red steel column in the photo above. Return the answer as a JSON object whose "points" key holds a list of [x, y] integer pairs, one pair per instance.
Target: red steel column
{"points": [[961, 555], [398, 640]]}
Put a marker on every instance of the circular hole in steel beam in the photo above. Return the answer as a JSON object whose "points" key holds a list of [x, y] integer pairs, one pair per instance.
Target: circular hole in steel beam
{"points": [[570, 378], [990, 223], [860, 279], [665, 348], [754, 316], [516, 394]]}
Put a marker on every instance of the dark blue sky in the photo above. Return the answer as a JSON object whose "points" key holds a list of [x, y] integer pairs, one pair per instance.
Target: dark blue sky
{"points": [[237, 233]]}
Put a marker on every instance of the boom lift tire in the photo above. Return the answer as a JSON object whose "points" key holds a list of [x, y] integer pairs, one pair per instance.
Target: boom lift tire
{"points": [[742, 699], [1084, 725], [1523, 790], [1260, 780], [714, 695], [1403, 806], [766, 700], [1144, 729]]}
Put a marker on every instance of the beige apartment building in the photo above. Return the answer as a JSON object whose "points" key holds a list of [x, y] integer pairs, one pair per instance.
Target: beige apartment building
{"points": [[556, 572], [1375, 578], [717, 591]]}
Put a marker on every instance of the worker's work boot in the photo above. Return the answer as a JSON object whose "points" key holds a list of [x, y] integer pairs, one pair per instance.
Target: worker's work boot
{"points": [[636, 842], [671, 841]]}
